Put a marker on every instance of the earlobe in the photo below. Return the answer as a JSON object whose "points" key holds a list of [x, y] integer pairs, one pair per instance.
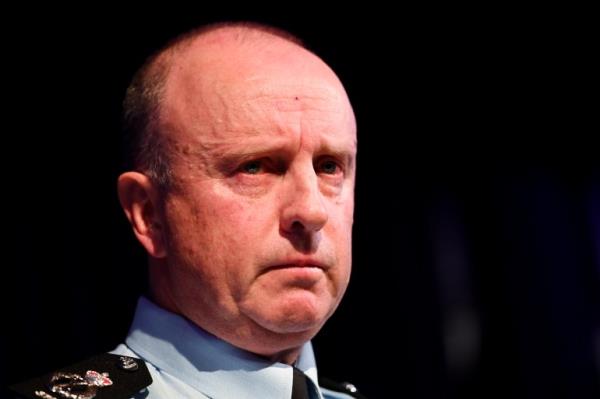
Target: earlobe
{"points": [[139, 199]]}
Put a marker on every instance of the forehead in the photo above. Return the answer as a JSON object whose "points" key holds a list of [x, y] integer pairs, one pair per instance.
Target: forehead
{"points": [[220, 95], [252, 117]]}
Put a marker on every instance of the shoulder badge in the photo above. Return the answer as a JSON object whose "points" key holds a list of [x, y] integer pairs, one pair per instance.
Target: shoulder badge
{"points": [[343, 387], [100, 377]]}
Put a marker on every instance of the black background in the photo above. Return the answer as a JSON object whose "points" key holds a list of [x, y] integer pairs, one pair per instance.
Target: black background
{"points": [[477, 233]]}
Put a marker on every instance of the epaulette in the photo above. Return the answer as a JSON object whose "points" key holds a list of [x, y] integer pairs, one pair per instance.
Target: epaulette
{"points": [[342, 387], [100, 377]]}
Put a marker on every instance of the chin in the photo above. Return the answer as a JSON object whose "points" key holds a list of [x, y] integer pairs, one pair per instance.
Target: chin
{"points": [[296, 317], [303, 326]]}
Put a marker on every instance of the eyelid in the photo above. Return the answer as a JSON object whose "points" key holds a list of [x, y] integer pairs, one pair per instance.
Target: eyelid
{"points": [[244, 165], [331, 158], [266, 164]]}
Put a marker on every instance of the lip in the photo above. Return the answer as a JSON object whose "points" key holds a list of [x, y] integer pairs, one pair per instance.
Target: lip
{"points": [[299, 263]]}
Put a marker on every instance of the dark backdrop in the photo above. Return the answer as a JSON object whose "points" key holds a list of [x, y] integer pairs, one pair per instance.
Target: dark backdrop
{"points": [[477, 233]]}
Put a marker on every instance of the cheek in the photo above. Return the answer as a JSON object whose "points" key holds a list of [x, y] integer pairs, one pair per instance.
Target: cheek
{"points": [[218, 234], [241, 225], [227, 229], [348, 208], [341, 226], [341, 218]]}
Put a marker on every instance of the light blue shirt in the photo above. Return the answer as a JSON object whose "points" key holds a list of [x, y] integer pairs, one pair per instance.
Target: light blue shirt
{"points": [[187, 362]]}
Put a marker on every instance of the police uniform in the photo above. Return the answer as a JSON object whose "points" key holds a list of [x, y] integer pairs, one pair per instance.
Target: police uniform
{"points": [[184, 361]]}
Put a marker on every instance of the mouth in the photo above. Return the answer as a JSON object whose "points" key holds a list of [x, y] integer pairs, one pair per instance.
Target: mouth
{"points": [[298, 274], [293, 266], [299, 264]]}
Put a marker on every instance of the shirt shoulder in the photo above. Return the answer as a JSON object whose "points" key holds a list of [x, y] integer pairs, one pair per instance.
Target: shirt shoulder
{"points": [[101, 377], [163, 385]]}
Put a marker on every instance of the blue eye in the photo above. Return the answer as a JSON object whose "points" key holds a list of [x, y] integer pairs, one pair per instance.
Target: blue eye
{"points": [[252, 167], [329, 167]]}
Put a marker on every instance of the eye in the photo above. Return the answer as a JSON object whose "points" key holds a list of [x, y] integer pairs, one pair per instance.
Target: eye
{"points": [[252, 167], [329, 167]]}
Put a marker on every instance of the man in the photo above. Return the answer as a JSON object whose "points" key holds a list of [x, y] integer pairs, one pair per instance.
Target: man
{"points": [[242, 194]]}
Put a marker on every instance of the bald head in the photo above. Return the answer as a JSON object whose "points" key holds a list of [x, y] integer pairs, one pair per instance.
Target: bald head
{"points": [[223, 55]]}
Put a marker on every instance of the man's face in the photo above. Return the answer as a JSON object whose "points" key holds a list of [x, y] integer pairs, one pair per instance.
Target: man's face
{"points": [[258, 224]]}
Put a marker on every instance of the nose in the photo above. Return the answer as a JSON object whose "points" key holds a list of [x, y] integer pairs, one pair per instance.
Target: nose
{"points": [[304, 208]]}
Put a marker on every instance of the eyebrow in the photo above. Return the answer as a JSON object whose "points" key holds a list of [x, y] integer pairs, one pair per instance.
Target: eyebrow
{"points": [[347, 156], [343, 151]]}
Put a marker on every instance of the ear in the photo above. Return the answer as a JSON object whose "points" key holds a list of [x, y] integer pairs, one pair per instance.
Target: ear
{"points": [[139, 199]]}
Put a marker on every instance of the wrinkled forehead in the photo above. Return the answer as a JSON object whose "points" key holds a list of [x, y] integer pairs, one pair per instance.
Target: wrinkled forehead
{"points": [[230, 85]]}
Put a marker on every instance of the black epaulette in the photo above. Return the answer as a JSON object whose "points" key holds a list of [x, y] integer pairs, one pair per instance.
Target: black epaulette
{"points": [[100, 377], [343, 387]]}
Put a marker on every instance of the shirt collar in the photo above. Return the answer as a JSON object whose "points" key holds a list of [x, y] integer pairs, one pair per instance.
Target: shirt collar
{"points": [[219, 370]]}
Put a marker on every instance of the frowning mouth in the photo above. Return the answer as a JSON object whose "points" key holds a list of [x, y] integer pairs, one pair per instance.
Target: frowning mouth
{"points": [[298, 264], [293, 266]]}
